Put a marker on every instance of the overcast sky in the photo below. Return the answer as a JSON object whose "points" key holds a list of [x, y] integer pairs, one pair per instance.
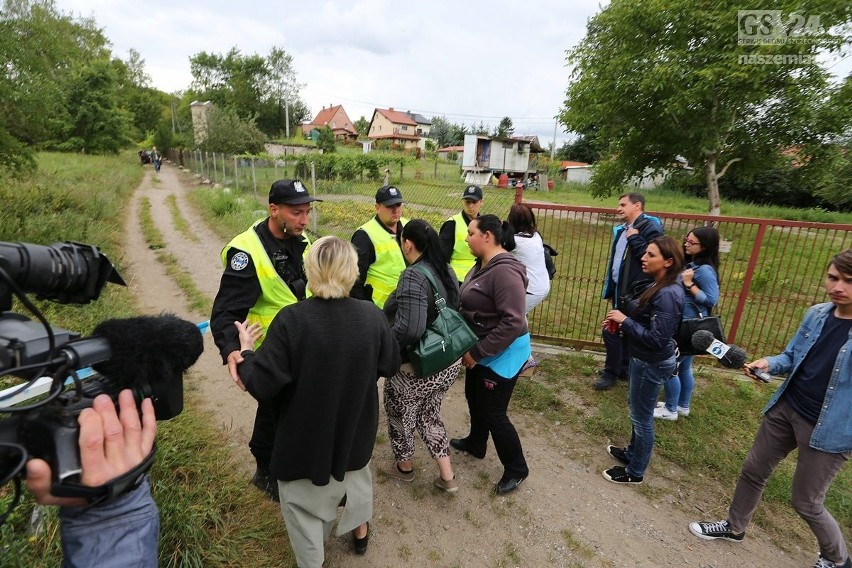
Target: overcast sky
{"points": [[469, 60]]}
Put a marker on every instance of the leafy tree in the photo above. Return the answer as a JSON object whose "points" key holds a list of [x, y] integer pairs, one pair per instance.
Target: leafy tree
{"points": [[40, 50], [441, 131], [505, 129], [228, 133], [457, 134], [325, 140], [362, 125], [97, 125], [665, 79], [253, 85], [163, 138], [480, 129], [582, 149], [282, 88]]}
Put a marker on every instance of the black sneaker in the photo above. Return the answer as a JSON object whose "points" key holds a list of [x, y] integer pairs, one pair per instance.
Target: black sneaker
{"points": [[604, 383], [618, 474], [619, 454], [712, 531], [264, 481]]}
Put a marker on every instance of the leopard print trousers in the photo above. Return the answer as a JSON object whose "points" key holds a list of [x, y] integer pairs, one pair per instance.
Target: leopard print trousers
{"points": [[413, 403]]}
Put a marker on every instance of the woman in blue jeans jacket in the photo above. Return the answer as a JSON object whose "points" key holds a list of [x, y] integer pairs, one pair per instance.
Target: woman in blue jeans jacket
{"points": [[650, 330], [701, 282]]}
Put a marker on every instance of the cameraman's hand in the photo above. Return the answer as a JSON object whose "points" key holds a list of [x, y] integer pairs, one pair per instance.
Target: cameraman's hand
{"points": [[761, 364], [110, 446]]}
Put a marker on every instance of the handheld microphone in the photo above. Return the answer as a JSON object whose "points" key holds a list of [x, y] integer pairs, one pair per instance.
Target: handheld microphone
{"points": [[729, 356]]}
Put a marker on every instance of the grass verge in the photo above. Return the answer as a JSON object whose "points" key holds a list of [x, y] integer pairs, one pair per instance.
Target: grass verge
{"points": [[197, 301]]}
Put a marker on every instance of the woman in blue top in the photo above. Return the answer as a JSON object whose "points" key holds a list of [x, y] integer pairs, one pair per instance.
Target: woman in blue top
{"points": [[701, 281], [650, 330]]}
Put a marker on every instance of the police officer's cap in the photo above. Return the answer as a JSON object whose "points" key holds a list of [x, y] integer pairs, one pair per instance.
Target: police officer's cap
{"points": [[388, 195], [289, 192]]}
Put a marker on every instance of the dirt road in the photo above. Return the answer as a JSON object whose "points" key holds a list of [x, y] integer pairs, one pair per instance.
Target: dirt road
{"points": [[564, 515]]}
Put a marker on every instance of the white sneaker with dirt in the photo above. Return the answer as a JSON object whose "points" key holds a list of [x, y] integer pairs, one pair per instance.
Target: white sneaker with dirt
{"points": [[713, 531], [823, 563], [683, 411], [664, 413]]}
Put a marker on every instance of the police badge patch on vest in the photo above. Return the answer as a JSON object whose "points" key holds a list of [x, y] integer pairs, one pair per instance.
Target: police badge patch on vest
{"points": [[239, 261]]}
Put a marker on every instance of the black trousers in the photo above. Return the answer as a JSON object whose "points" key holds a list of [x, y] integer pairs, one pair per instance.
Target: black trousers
{"points": [[617, 360], [263, 435], [488, 396]]}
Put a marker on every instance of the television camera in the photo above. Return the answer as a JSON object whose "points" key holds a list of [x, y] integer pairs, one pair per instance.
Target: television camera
{"points": [[146, 354]]}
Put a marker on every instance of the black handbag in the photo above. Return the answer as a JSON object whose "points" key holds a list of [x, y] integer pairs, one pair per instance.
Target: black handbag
{"points": [[689, 326], [445, 339], [549, 253]]}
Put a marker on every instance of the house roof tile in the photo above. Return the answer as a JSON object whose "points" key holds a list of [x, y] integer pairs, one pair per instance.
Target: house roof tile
{"points": [[396, 116]]}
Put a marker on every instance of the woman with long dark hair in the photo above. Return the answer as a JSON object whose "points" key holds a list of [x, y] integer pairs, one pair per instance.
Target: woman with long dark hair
{"points": [[650, 329], [412, 402], [701, 282], [492, 302]]}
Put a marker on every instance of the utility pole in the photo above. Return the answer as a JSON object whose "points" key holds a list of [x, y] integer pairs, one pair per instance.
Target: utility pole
{"points": [[553, 146], [287, 117]]}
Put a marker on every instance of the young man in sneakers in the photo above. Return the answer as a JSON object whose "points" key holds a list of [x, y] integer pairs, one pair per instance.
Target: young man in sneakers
{"points": [[809, 412]]}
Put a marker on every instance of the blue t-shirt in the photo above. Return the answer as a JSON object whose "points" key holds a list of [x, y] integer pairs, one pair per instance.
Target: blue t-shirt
{"points": [[806, 391]]}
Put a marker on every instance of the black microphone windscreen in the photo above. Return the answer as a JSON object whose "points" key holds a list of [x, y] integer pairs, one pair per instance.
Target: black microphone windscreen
{"points": [[735, 358], [702, 339], [149, 347]]}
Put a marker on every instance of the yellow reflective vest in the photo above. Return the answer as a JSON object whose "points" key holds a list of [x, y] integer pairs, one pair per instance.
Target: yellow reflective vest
{"points": [[383, 274], [462, 260], [275, 294]]}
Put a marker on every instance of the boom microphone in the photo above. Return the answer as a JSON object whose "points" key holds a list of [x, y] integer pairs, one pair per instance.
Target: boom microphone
{"points": [[729, 356], [141, 352]]}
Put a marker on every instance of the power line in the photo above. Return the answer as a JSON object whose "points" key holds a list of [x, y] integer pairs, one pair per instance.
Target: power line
{"points": [[541, 120]]}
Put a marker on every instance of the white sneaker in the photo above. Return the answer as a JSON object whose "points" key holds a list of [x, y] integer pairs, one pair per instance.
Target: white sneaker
{"points": [[661, 404], [665, 414], [681, 410]]}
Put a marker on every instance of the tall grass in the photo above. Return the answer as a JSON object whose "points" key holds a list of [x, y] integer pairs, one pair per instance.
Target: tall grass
{"points": [[210, 515]]}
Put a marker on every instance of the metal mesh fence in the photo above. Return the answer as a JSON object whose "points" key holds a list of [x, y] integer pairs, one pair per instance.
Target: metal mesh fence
{"points": [[771, 270]]}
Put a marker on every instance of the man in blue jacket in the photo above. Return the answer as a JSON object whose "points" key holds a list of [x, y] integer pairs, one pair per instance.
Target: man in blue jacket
{"points": [[809, 412], [624, 276]]}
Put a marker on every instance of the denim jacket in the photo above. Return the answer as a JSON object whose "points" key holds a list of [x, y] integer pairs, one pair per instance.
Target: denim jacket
{"points": [[120, 534], [833, 430], [702, 303], [650, 331]]}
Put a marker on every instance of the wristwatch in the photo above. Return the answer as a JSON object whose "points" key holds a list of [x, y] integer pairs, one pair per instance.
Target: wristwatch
{"points": [[691, 286]]}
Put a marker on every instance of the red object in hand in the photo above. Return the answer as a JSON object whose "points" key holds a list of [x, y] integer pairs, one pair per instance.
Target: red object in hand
{"points": [[612, 326]]}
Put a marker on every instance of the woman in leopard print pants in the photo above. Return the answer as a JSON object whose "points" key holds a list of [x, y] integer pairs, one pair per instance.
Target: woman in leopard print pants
{"points": [[412, 402]]}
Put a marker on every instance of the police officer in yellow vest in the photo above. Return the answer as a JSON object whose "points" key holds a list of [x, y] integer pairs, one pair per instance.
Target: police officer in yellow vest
{"points": [[453, 234], [380, 260], [264, 272]]}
